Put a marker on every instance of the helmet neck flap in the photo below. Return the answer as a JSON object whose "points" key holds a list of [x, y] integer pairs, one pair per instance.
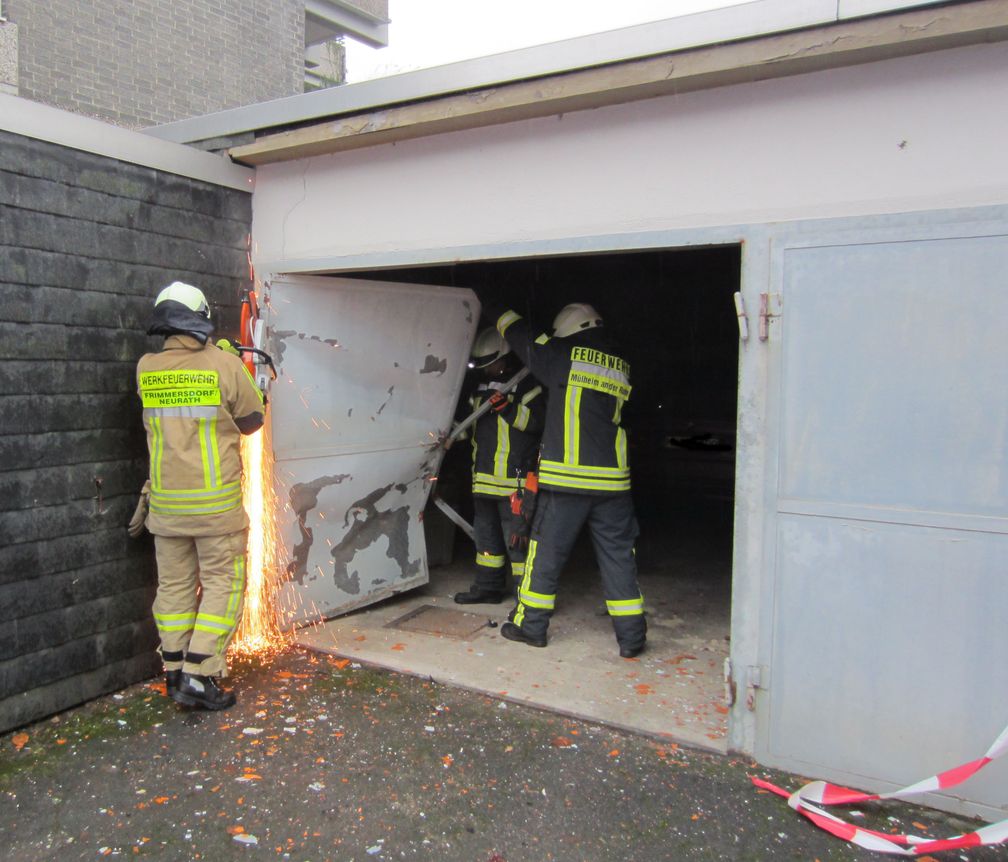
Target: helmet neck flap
{"points": [[174, 318]]}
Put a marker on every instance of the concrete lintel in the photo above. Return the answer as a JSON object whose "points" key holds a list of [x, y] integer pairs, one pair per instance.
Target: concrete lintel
{"points": [[815, 49], [43, 122]]}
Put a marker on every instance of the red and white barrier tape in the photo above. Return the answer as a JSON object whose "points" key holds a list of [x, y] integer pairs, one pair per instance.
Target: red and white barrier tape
{"points": [[822, 792]]}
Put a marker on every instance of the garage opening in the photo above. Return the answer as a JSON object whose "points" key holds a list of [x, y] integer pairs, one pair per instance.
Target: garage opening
{"points": [[673, 313]]}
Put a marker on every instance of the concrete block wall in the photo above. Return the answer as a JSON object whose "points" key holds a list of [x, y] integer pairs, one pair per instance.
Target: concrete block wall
{"points": [[86, 242], [147, 62]]}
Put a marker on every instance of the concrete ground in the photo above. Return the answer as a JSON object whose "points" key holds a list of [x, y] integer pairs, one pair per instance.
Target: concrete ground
{"points": [[673, 690], [325, 759]]}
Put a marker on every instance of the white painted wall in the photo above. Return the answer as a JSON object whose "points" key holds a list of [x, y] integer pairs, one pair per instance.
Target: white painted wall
{"points": [[817, 145]]}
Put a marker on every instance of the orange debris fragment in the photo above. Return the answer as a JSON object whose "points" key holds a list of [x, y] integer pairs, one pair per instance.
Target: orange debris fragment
{"points": [[19, 740]]}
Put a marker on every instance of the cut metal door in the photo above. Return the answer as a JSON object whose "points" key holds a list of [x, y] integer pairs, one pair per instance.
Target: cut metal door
{"points": [[890, 535], [368, 376]]}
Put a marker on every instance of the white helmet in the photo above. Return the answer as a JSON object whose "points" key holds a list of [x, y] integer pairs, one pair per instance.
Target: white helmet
{"points": [[185, 294], [574, 318], [488, 347]]}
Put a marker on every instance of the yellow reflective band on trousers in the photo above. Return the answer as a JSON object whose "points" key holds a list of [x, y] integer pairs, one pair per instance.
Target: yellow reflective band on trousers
{"points": [[224, 626], [625, 607], [197, 501], [175, 622], [536, 600], [490, 561], [517, 569], [527, 598]]}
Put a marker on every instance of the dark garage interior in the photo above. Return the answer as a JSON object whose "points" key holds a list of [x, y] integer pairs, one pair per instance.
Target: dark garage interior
{"points": [[673, 313]]}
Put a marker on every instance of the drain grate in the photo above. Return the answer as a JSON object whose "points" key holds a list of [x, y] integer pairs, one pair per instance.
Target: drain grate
{"points": [[439, 621]]}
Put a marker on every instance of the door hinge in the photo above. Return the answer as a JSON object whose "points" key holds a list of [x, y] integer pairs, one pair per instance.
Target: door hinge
{"points": [[740, 313], [729, 683], [767, 303], [755, 679]]}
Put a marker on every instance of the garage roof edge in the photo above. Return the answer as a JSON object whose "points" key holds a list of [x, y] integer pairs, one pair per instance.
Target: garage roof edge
{"points": [[739, 22], [42, 122], [777, 55]]}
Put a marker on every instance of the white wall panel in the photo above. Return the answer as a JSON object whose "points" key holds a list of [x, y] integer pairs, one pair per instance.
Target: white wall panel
{"points": [[908, 134]]}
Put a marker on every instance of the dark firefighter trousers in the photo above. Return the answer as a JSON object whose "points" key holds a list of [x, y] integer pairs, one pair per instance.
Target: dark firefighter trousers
{"points": [[613, 526], [493, 526]]}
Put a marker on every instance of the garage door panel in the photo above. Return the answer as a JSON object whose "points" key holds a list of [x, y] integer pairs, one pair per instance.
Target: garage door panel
{"points": [[896, 369], [369, 374], [891, 524], [935, 696]]}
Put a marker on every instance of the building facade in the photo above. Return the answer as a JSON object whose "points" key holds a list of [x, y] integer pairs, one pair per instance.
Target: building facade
{"points": [[146, 63]]}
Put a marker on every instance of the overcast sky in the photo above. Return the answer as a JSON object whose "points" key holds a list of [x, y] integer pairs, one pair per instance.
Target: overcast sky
{"points": [[427, 33]]}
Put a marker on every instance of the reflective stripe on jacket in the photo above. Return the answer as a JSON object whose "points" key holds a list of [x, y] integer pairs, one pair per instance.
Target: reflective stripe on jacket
{"points": [[505, 445], [191, 394], [584, 447]]}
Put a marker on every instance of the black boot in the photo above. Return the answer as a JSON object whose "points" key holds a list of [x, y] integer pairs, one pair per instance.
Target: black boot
{"points": [[478, 596], [515, 633], [172, 677], [171, 681], [196, 690], [631, 652]]}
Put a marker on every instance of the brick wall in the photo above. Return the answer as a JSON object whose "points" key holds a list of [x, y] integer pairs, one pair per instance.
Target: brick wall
{"points": [[85, 244], [147, 62]]}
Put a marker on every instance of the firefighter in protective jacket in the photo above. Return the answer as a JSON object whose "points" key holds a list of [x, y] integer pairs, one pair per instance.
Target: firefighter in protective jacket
{"points": [[505, 446], [584, 474], [197, 402]]}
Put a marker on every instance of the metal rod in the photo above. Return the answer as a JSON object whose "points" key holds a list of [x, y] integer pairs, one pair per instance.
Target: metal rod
{"points": [[485, 406], [454, 517]]}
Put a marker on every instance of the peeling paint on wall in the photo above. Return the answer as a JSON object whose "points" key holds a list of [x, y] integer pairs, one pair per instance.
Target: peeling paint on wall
{"points": [[433, 365], [386, 401], [304, 498], [368, 525]]}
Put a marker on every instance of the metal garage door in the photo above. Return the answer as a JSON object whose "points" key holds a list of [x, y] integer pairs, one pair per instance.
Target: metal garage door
{"points": [[369, 373], [890, 535]]}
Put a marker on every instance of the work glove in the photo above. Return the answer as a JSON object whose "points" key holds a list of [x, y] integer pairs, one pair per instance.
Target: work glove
{"points": [[498, 402], [519, 540], [139, 520], [229, 345]]}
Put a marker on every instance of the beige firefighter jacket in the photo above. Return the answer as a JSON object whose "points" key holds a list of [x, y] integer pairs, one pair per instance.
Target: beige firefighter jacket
{"points": [[191, 395]]}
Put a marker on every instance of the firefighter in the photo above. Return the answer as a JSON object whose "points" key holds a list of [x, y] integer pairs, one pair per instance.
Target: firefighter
{"points": [[505, 445], [197, 402], [584, 475]]}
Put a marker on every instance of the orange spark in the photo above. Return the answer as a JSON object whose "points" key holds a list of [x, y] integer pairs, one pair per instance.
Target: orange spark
{"points": [[259, 632]]}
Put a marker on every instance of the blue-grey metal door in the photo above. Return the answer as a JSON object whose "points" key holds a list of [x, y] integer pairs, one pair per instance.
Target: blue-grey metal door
{"points": [[889, 541], [369, 374]]}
